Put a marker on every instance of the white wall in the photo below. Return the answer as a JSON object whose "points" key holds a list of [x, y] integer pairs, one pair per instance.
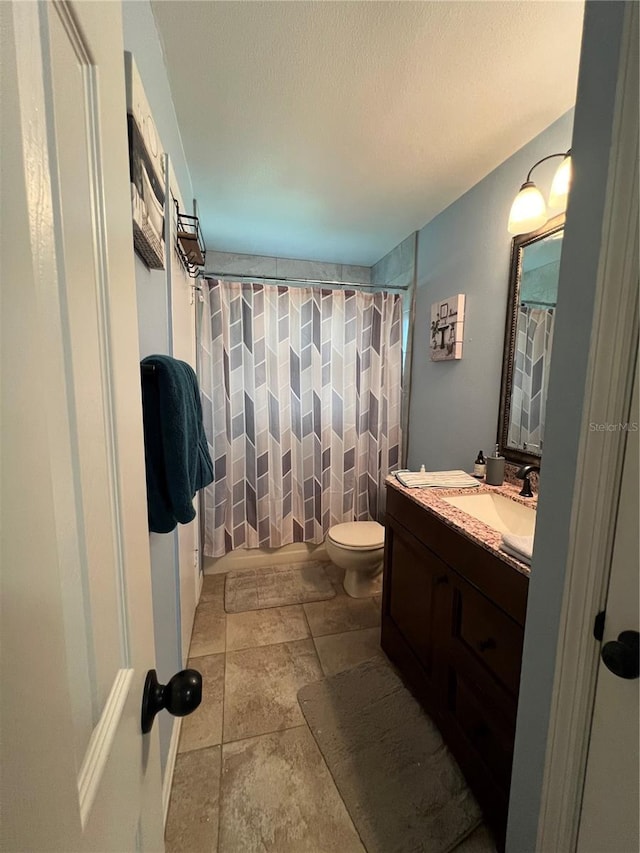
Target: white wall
{"points": [[152, 288], [142, 39], [578, 275], [153, 309]]}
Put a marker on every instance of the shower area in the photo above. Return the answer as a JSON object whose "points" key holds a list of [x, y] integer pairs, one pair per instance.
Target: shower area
{"points": [[302, 395]]}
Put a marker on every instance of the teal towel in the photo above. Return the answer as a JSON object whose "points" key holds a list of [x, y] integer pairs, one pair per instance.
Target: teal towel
{"points": [[177, 457]]}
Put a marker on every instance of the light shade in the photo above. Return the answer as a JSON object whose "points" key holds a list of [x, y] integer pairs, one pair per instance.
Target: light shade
{"points": [[561, 183], [528, 211]]}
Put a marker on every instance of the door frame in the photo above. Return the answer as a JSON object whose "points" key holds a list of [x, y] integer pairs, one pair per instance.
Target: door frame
{"points": [[612, 359], [103, 789]]}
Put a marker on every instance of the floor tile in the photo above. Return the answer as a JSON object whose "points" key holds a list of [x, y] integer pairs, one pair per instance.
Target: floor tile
{"points": [[261, 687], [278, 797], [192, 823], [208, 637], [342, 651], [265, 627], [204, 727], [213, 589], [480, 841], [341, 613]]}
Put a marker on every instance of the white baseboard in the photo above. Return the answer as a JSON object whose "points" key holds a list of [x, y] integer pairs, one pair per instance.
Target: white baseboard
{"points": [[253, 558], [167, 782], [199, 582]]}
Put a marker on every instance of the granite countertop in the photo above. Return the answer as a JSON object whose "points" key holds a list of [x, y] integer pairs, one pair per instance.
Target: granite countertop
{"points": [[472, 528]]}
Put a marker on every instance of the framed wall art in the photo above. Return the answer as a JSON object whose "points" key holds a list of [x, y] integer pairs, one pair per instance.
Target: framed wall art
{"points": [[447, 326]]}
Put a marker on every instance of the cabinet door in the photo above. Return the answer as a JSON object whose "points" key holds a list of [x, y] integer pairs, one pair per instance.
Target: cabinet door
{"points": [[418, 581], [488, 730], [485, 639], [483, 666]]}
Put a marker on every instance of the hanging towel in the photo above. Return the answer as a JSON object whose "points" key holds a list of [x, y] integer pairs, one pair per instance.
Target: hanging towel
{"points": [[520, 547], [177, 458]]}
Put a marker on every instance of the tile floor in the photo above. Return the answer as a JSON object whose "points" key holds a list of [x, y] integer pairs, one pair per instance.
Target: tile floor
{"points": [[249, 777]]}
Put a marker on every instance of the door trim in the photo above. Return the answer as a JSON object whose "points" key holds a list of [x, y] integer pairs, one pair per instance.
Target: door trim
{"points": [[172, 754], [99, 749], [608, 399]]}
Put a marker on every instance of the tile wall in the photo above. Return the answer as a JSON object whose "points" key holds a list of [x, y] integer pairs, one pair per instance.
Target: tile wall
{"points": [[398, 269], [261, 265]]}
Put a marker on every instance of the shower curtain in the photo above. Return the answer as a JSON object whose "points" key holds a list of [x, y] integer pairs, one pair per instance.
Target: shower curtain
{"points": [[301, 393], [534, 340]]}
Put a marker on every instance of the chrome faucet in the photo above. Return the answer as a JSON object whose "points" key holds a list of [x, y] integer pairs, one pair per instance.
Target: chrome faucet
{"points": [[523, 474]]}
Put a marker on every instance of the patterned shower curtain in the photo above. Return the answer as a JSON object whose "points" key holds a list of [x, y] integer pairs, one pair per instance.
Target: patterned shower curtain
{"points": [[301, 393], [534, 340]]}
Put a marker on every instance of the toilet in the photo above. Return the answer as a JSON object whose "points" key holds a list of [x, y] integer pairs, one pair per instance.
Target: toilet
{"points": [[358, 548]]}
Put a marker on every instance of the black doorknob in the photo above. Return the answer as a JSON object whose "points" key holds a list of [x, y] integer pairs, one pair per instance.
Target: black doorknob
{"points": [[621, 656], [180, 696]]}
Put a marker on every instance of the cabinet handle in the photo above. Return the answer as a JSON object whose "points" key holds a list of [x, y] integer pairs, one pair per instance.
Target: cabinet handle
{"points": [[484, 645]]}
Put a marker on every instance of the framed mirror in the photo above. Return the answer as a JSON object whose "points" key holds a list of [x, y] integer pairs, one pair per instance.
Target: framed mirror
{"points": [[531, 308]]}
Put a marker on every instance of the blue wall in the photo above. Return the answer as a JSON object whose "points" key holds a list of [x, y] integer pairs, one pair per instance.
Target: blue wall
{"points": [[466, 249]]}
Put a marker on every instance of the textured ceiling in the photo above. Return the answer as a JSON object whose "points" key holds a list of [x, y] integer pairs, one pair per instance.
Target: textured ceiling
{"points": [[331, 130]]}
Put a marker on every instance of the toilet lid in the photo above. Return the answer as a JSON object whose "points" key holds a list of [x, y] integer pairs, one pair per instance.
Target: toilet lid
{"points": [[358, 535]]}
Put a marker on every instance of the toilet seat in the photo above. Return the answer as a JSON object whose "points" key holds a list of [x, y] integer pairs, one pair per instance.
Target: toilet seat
{"points": [[357, 535]]}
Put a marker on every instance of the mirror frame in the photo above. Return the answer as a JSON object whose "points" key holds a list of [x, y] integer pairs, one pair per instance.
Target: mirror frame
{"points": [[519, 242]]}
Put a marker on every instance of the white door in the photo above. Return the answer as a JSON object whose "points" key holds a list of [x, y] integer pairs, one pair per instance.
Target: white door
{"points": [[77, 632], [609, 817]]}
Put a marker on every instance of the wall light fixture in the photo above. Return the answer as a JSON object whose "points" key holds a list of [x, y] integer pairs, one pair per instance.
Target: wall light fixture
{"points": [[529, 211]]}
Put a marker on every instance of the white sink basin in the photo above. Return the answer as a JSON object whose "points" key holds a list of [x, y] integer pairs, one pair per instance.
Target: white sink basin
{"points": [[504, 515]]}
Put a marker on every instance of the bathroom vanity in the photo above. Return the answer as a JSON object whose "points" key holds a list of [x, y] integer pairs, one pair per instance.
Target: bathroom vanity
{"points": [[453, 616]]}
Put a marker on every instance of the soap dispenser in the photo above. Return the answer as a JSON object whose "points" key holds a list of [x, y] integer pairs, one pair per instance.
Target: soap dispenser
{"points": [[495, 469]]}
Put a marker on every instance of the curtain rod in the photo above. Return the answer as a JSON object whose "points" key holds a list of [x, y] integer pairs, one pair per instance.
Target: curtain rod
{"points": [[298, 280]]}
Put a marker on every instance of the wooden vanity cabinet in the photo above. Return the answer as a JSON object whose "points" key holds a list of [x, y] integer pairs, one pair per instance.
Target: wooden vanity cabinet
{"points": [[415, 606], [453, 623]]}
